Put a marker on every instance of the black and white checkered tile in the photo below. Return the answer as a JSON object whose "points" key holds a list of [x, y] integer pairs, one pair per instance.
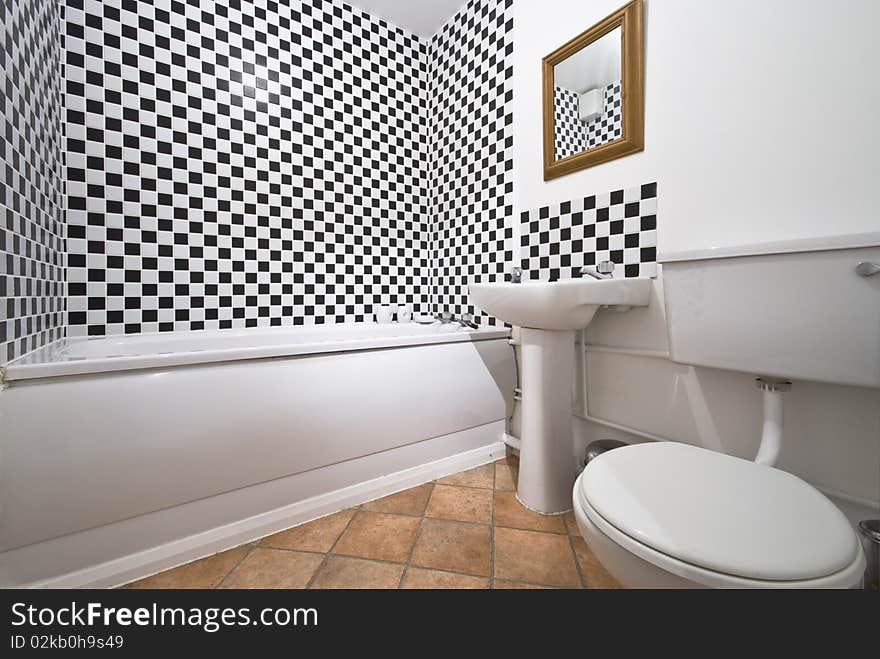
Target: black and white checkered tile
{"points": [[242, 163], [32, 249], [621, 226], [573, 135], [570, 132], [471, 140]]}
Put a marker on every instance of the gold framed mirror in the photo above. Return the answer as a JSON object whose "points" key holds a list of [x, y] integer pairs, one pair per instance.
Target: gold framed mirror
{"points": [[593, 91]]}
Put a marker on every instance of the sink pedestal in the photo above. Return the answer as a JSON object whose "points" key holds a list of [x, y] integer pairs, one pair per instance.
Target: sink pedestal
{"points": [[550, 313], [546, 469]]}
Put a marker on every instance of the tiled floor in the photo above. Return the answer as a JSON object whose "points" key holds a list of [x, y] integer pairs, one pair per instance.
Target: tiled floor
{"points": [[463, 531]]}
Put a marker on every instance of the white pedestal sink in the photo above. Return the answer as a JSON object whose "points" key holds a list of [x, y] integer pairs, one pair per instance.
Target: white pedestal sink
{"points": [[549, 314]]}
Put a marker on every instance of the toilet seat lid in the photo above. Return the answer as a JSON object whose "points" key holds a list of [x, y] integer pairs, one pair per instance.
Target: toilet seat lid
{"points": [[719, 512]]}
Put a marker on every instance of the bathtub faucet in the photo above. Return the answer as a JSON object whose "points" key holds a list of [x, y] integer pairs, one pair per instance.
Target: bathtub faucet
{"points": [[467, 320]]}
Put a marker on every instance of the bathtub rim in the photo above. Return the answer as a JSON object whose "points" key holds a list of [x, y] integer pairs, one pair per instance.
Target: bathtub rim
{"points": [[16, 371]]}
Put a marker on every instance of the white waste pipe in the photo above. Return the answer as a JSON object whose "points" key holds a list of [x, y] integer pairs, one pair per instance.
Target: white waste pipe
{"points": [[771, 434]]}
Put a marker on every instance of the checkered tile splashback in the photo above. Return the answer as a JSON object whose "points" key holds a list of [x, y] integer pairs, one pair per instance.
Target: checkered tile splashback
{"points": [[32, 249], [247, 163], [471, 147], [621, 226], [573, 135], [242, 163]]}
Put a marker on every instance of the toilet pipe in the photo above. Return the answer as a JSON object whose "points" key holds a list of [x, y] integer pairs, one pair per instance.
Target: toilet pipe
{"points": [[771, 434]]}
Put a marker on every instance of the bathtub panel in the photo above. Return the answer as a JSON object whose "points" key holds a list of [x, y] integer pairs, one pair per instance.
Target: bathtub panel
{"points": [[121, 445]]}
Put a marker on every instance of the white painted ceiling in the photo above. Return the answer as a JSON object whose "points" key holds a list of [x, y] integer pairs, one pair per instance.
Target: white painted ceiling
{"points": [[424, 17], [593, 67]]}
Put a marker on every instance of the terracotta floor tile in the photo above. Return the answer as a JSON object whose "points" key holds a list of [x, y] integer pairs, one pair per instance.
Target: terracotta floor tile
{"points": [[417, 578], [204, 573], [510, 512], [318, 535], [408, 502], [505, 477], [540, 558], [592, 571], [503, 584], [455, 546], [571, 523], [465, 504], [451, 547], [348, 573], [274, 568], [379, 535], [483, 476]]}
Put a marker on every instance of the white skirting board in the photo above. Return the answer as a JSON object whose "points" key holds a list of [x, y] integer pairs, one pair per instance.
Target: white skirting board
{"points": [[353, 482]]}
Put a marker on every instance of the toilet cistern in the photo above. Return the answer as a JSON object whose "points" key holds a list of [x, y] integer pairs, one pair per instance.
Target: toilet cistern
{"points": [[549, 313]]}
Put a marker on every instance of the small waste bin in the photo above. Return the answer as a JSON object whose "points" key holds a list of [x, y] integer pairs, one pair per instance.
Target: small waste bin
{"points": [[600, 446], [869, 530]]}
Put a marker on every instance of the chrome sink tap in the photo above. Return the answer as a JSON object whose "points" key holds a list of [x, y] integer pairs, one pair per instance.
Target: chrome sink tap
{"points": [[605, 270]]}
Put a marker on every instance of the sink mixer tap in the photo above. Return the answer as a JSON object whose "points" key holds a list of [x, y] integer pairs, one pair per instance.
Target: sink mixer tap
{"points": [[605, 270]]}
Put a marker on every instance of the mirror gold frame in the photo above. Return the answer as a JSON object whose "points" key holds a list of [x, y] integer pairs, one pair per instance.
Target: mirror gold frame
{"points": [[630, 19]]}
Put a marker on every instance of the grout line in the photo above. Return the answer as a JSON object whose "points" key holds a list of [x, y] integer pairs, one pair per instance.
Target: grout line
{"points": [[577, 563], [407, 563], [332, 547], [492, 528], [234, 567], [418, 535]]}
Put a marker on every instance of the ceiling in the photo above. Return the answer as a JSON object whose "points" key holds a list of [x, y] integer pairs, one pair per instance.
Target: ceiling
{"points": [[595, 66], [424, 17]]}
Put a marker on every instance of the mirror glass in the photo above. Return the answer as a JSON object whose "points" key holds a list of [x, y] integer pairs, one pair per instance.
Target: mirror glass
{"points": [[587, 103]]}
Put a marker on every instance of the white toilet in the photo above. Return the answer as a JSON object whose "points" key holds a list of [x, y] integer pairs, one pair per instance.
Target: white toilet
{"points": [[670, 515]]}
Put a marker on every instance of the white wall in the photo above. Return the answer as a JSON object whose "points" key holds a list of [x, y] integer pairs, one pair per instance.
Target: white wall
{"points": [[761, 116], [761, 125]]}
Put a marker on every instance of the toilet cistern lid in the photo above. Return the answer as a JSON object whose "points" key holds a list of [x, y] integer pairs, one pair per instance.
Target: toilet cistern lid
{"points": [[719, 512]]}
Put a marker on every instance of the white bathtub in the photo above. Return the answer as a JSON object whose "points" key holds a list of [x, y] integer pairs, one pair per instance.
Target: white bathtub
{"points": [[122, 456]]}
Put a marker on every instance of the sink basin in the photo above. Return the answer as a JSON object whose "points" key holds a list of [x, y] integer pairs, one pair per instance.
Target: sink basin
{"points": [[568, 304]]}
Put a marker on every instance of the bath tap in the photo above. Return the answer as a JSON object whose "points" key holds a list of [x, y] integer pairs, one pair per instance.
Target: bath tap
{"points": [[467, 320]]}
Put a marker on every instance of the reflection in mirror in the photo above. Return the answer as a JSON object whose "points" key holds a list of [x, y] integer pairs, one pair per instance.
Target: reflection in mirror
{"points": [[587, 97]]}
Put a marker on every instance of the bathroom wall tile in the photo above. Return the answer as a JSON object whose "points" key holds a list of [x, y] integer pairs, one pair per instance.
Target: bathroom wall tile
{"points": [[32, 233], [243, 166], [471, 152], [573, 135], [620, 226]]}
